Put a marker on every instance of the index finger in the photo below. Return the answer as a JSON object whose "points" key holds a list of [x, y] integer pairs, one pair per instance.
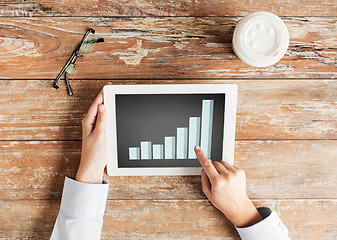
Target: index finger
{"points": [[206, 163]]}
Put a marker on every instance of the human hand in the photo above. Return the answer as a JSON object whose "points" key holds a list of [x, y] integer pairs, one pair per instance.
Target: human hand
{"points": [[225, 186], [94, 155]]}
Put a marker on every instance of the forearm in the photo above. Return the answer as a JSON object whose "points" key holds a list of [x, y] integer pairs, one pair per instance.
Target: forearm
{"points": [[81, 212]]}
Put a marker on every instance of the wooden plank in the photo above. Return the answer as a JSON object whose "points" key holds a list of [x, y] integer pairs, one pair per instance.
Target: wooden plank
{"points": [[169, 219], [273, 109], [15, 8], [156, 48], [275, 169]]}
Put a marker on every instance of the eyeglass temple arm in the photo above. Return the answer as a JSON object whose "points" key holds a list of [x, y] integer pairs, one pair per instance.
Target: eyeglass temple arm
{"points": [[69, 90], [73, 57]]}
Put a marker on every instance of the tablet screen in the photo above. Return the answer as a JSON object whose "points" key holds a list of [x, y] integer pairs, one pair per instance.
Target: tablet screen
{"points": [[161, 130]]}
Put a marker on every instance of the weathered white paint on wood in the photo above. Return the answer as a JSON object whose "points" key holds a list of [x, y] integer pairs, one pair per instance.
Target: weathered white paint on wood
{"points": [[169, 219], [14, 8], [157, 48], [267, 109], [168, 48], [275, 169]]}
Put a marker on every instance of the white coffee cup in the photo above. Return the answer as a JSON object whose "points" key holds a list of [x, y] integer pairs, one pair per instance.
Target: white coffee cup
{"points": [[260, 39]]}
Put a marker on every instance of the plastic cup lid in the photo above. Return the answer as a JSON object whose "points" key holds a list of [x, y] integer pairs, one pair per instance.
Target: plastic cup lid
{"points": [[260, 39]]}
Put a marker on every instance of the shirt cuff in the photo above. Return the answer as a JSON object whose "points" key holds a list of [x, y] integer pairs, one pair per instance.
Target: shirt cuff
{"points": [[271, 227], [84, 200]]}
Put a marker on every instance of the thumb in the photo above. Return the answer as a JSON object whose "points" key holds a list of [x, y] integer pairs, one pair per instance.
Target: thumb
{"points": [[102, 117]]}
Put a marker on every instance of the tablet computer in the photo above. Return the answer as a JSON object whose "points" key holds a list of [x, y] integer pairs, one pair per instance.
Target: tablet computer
{"points": [[153, 129]]}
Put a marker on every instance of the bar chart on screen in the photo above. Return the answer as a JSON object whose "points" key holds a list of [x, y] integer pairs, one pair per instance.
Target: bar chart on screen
{"points": [[181, 145]]}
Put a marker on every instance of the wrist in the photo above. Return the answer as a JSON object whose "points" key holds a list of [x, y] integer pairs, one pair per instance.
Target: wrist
{"points": [[89, 175], [246, 215]]}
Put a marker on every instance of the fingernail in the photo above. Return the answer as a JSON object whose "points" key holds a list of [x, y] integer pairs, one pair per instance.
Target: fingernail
{"points": [[101, 108], [197, 147]]}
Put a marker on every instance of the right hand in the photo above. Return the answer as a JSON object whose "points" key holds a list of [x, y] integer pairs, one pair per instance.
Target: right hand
{"points": [[225, 186]]}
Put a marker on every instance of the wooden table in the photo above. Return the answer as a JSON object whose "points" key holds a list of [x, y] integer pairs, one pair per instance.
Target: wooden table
{"points": [[286, 136]]}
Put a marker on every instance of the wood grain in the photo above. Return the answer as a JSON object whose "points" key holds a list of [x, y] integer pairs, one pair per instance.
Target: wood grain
{"points": [[169, 219], [267, 109], [286, 121], [15, 8], [157, 48], [306, 169]]}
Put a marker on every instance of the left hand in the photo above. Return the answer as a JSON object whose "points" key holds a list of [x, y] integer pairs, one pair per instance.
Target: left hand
{"points": [[94, 155]]}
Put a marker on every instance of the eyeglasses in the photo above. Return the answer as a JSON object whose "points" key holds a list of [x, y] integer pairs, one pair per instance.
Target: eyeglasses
{"points": [[87, 44]]}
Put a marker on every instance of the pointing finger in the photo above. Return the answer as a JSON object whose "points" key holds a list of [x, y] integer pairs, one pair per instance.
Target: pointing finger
{"points": [[206, 163]]}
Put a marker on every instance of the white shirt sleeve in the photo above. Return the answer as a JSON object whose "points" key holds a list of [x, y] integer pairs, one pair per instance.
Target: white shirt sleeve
{"points": [[270, 228], [81, 212]]}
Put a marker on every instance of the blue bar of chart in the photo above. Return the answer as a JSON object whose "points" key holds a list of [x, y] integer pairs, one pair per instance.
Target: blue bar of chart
{"points": [[145, 150], [169, 147], [181, 146], [193, 136], [134, 153], [182, 143], [158, 151], [206, 126]]}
